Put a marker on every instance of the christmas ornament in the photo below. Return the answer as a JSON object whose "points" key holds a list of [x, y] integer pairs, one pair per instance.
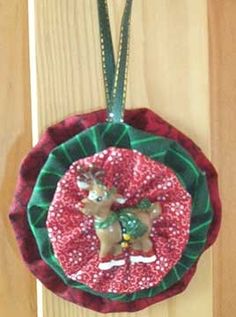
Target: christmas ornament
{"points": [[114, 215], [172, 156]]}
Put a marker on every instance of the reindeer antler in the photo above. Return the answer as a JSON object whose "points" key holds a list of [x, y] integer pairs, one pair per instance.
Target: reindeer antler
{"points": [[89, 175]]}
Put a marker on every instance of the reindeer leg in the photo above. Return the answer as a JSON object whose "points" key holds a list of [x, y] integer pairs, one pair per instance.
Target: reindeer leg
{"points": [[136, 245], [117, 250], [109, 263], [146, 243], [142, 244], [147, 255], [105, 250]]}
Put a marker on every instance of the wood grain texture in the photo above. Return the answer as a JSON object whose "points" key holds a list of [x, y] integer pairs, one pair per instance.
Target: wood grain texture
{"points": [[223, 112], [17, 287], [168, 73]]}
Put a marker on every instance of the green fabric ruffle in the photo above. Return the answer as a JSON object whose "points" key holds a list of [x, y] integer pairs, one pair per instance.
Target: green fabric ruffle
{"points": [[96, 139]]}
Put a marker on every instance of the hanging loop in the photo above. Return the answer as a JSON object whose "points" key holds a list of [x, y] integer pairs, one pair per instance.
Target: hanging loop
{"points": [[115, 75]]}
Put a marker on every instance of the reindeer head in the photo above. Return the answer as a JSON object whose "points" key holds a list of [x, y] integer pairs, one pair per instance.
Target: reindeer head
{"points": [[100, 198]]}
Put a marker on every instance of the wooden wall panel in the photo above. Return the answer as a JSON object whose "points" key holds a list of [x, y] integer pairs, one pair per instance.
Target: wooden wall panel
{"points": [[17, 286], [168, 73], [222, 22]]}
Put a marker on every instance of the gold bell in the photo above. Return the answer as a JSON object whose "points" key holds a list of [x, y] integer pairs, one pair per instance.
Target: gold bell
{"points": [[126, 237], [124, 245]]}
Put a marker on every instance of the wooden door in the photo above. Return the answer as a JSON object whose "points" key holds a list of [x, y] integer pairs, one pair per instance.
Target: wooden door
{"points": [[182, 65]]}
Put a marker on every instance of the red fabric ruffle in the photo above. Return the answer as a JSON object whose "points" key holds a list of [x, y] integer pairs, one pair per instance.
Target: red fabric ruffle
{"points": [[143, 119]]}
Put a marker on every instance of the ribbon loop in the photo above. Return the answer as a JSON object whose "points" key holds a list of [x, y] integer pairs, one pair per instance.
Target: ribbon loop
{"points": [[115, 75]]}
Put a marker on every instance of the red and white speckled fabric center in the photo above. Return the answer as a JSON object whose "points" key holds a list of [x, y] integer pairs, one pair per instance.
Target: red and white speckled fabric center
{"points": [[136, 177]]}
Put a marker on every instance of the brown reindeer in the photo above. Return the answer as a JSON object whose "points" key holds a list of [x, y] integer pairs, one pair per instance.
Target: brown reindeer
{"points": [[128, 228]]}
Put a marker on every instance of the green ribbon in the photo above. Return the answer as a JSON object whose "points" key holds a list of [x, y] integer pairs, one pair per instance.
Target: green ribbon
{"points": [[115, 76], [107, 222]]}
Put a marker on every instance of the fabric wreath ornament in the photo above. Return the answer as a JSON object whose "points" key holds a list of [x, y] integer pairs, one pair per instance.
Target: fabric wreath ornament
{"points": [[31, 166], [167, 151], [111, 215]]}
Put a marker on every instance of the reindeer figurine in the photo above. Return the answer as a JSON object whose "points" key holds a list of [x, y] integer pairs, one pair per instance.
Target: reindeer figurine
{"points": [[127, 228]]}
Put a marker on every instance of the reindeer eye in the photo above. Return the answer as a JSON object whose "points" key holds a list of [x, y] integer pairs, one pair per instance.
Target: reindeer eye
{"points": [[99, 198]]}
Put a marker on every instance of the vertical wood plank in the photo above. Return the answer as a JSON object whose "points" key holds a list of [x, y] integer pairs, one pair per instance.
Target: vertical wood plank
{"points": [[17, 286], [223, 113], [168, 73]]}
